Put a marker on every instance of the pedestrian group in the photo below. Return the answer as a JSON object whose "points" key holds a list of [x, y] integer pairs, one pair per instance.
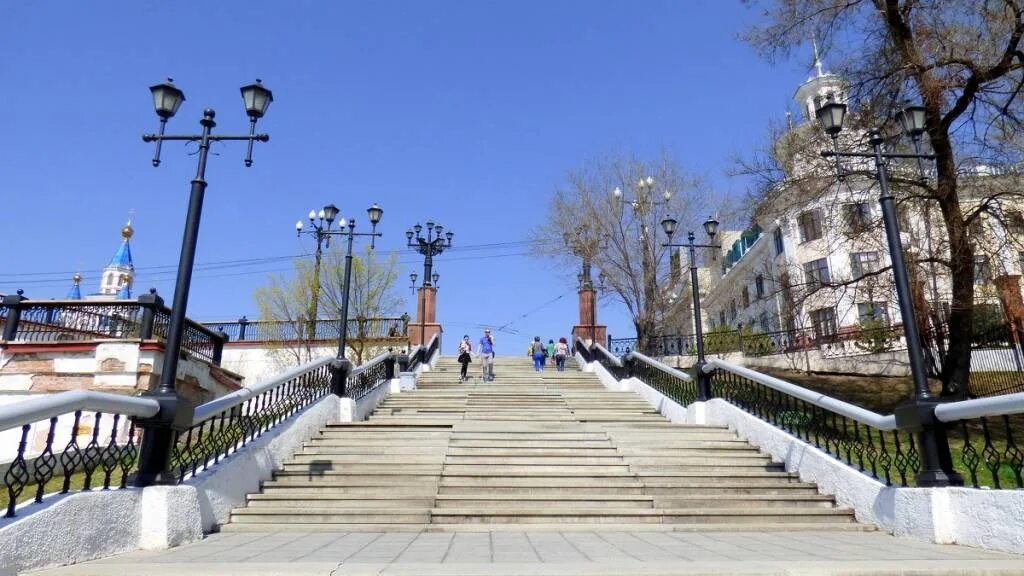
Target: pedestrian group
{"points": [[540, 352]]}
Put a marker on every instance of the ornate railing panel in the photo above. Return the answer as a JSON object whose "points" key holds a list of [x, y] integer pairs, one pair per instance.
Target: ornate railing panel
{"points": [[875, 448], [68, 442], [85, 320], [366, 378], [671, 382], [611, 363], [987, 440], [225, 425]]}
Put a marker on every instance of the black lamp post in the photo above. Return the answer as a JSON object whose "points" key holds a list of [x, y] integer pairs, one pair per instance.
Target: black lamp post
{"points": [[320, 229], [434, 243], [711, 229], [918, 413], [340, 366], [175, 413]]}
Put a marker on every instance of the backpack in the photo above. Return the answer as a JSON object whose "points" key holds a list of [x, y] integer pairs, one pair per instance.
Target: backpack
{"points": [[538, 348]]}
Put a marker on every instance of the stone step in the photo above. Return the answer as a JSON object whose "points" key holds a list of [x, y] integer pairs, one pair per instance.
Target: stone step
{"points": [[744, 501], [321, 502], [531, 461], [549, 527], [568, 470], [349, 469], [297, 478], [292, 516], [601, 514], [363, 493], [341, 448], [576, 482], [305, 459], [606, 451]]}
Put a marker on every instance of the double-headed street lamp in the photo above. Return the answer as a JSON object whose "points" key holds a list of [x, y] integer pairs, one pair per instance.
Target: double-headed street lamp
{"points": [[340, 366], [711, 229], [918, 413], [320, 229], [175, 413]]}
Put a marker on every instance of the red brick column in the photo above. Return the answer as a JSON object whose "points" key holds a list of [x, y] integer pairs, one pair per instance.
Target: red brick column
{"points": [[588, 328], [423, 328]]}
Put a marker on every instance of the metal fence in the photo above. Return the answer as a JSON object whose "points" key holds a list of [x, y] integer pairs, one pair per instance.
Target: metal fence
{"points": [[147, 318], [997, 357], [244, 330]]}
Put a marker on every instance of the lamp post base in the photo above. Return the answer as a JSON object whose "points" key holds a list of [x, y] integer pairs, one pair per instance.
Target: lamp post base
{"points": [[918, 415]]}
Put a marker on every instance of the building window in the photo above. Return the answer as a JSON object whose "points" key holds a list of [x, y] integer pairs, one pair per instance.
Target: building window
{"points": [[765, 326], [873, 311], [823, 320], [721, 317], [732, 310], [816, 272], [745, 295], [1020, 260], [982, 270], [862, 263], [810, 225], [858, 217], [759, 283], [779, 245], [1014, 221]]}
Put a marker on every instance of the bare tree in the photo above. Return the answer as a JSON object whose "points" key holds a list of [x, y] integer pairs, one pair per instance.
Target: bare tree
{"points": [[622, 236], [962, 60], [372, 294]]}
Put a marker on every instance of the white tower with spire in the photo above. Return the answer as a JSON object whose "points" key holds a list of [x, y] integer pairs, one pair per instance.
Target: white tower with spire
{"points": [[819, 88], [119, 275]]}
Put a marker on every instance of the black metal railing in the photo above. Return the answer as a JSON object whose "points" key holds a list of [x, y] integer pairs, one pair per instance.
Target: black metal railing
{"points": [[68, 442], [244, 330], [225, 425], [884, 453], [614, 365], [987, 439], [583, 350], [671, 382], [83, 320], [368, 377]]}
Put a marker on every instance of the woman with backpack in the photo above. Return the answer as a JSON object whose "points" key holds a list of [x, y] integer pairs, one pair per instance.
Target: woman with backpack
{"points": [[538, 354], [561, 352]]}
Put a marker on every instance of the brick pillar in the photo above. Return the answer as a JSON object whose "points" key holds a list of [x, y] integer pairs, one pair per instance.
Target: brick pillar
{"points": [[423, 328], [1010, 297], [588, 329]]}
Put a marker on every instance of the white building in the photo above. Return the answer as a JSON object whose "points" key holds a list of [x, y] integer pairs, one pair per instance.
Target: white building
{"points": [[810, 256]]}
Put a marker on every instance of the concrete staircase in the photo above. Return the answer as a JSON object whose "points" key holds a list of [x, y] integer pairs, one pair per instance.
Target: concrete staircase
{"points": [[531, 450]]}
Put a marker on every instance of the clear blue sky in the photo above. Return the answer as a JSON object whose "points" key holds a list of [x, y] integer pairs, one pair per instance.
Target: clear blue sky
{"points": [[466, 112]]}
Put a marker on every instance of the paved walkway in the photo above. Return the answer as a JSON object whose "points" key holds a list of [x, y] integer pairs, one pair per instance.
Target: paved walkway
{"points": [[550, 553]]}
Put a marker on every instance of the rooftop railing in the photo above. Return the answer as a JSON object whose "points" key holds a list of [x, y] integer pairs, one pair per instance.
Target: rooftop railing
{"points": [[27, 321], [244, 330]]}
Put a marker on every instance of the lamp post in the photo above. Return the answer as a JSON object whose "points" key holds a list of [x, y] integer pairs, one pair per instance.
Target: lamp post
{"points": [[642, 205], [320, 229], [176, 413], [918, 413], [582, 245], [711, 229], [434, 243], [340, 366]]}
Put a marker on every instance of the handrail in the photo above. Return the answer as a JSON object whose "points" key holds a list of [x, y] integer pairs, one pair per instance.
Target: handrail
{"points": [[615, 359], [37, 409], [373, 362], [216, 406], [430, 344], [981, 407], [659, 365], [818, 399]]}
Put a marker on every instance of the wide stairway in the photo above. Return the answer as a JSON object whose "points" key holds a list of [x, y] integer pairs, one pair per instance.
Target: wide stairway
{"points": [[530, 451]]}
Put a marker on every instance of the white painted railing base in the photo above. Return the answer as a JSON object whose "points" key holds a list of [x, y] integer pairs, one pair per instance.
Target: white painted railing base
{"points": [[991, 519], [100, 523]]}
